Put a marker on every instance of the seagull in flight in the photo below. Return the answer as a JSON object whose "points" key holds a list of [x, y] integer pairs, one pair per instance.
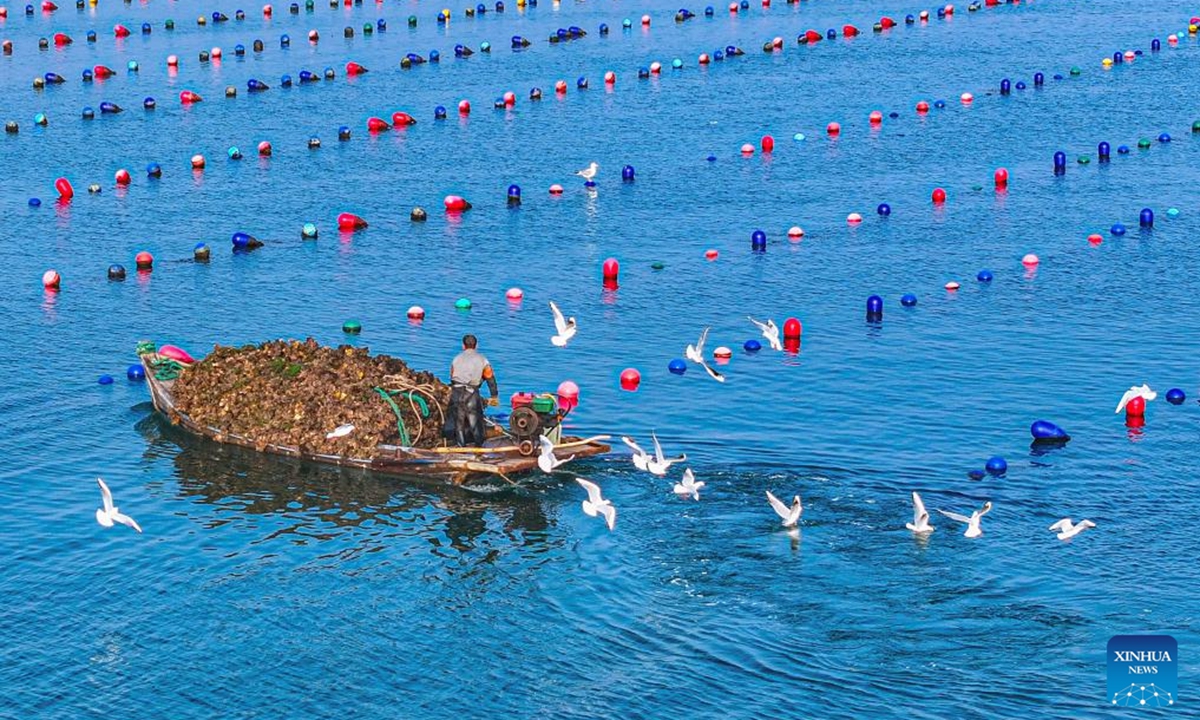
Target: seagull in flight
{"points": [[564, 327], [920, 523], [1143, 391], [546, 459], [596, 505], [790, 515], [110, 514], [695, 353], [972, 522], [1066, 530], [641, 458], [689, 486], [770, 331], [659, 465], [589, 173], [340, 431]]}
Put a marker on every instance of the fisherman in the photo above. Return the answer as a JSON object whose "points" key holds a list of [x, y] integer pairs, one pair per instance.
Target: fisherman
{"points": [[468, 370]]}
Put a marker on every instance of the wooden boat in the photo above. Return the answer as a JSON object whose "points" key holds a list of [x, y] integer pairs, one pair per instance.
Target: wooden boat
{"points": [[499, 459]]}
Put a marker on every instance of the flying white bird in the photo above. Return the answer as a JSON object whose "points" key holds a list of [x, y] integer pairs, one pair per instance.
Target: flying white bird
{"points": [[1066, 530], [546, 459], [790, 515], [695, 353], [110, 513], [689, 486], [659, 465], [641, 458], [340, 431], [972, 522], [589, 173], [564, 327], [770, 331], [596, 505], [1143, 391], [920, 523]]}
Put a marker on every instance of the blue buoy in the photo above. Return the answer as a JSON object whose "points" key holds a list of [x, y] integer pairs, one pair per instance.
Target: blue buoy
{"points": [[874, 306], [1005, 86], [105, 380], [939, 104], [603, 28], [831, 34], [1123, 150], [149, 103], [1039, 79], [1164, 138], [1060, 162], [1020, 84], [1146, 218], [514, 194], [108, 108], [677, 366], [752, 346], [34, 202], [908, 300], [239, 50], [154, 170], [996, 465], [285, 81], [1117, 229], [116, 273], [711, 158], [984, 276], [1044, 431], [909, 20], [976, 474], [1103, 151], [88, 113], [535, 93], [135, 373], [1155, 45], [627, 173], [439, 112], [1175, 396], [284, 40], [245, 241], [708, 11], [581, 84], [884, 209], [87, 76], [758, 241]]}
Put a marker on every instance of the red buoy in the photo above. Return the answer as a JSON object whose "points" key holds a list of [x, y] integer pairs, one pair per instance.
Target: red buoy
{"points": [[123, 177], [812, 36], [48, 6], [630, 379], [464, 107], [375, 124], [61, 39], [349, 222], [791, 334], [101, 72], [876, 117], [833, 129], [264, 149], [144, 261], [456, 203], [886, 22], [939, 196], [922, 107], [568, 395], [1135, 412], [849, 31], [1001, 176], [768, 143], [120, 31], [403, 119], [63, 186], [611, 269], [354, 69], [187, 97], [560, 87]]}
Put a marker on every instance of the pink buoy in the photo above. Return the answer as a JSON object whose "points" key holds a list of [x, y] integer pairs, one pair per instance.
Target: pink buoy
{"points": [[144, 261], [655, 67], [645, 21], [795, 232], [1130, 55], [924, 16], [733, 8], [949, 9], [515, 294], [768, 143], [967, 98], [123, 177], [65, 191], [264, 148], [177, 354], [267, 11], [313, 36], [349, 222], [833, 129], [711, 254], [172, 61], [610, 271], [1001, 177], [51, 280], [853, 219], [556, 189], [216, 53], [722, 353], [197, 162], [456, 203], [630, 379], [416, 312], [464, 107], [1030, 260], [568, 395], [375, 124], [777, 43], [952, 286], [747, 149]]}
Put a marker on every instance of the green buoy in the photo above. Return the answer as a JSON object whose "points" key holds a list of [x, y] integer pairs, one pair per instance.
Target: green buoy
{"points": [[1083, 159], [462, 304], [657, 266], [1075, 71], [352, 327], [1144, 143], [309, 232]]}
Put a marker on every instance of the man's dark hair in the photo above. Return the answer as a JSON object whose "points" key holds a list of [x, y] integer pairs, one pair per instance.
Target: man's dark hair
{"points": [[470, 341]]}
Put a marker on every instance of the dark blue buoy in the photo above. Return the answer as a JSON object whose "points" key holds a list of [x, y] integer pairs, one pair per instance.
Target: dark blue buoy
{"points": [[752, 346], [149, 103], [1146, 218], [884, 209], [758, 241], [939, 104], [1104, 151], [1164, 138], [381, 25], [1060, 163], [88, 113], [627, 173], [87, 76], [439, 112], [677, 367], [239, 50], [908, 300], [1020, 84], [1155, 45], [514, 195], [245, 241], [581, 84], [35, 202], [1117, 229], [135, 373], [1175, 396], [154, 170], [1005, 86], [91, 36], [996, 465], [909, 20], [107, 108], [116, 273], [1123, 150], [285, 81], [874, 307], [831, 34], [643, 73], [1039, 79], [254, 85], [284, 40], [343, 133], [1118, 58], [435, 56], [711, 158], [718, 56], [535, 93], [708, 11], [105, 380], [1044, 431], [976, 474], [984, 276]]}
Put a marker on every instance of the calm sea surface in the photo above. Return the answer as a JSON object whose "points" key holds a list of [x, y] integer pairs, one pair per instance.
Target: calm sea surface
{"points": [[266, 589]]}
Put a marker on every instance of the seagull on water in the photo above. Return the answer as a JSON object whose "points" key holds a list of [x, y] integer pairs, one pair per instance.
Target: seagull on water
{"points": [[689, 486], [1066, 530], [972, 522], [546, 459], [340, 431], [1143, 391], [564, 327], [920, 523], [695, 353], [589, 173], [770, 331], [790, 515], [110, 514], [596, 505]]}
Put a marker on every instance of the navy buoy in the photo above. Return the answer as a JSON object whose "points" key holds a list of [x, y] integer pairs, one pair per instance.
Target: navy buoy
{"points": [[1146, 218], [976, 474], [752, 346], [514, 195], [1060, 163], [581, 83], [758, 241], [88, 113], [108, 108], [1044, 431], [1039, 79], [149, 103], [381, 25], [1005, 86], [439, 113], [135, 373], [1104, 150], [1123, 150], [884, 209], [984, 276], [239, 50], [87, 76], [1155, 45], [284, 40], [1117, 229], [677, 367], [105, 380], [603, 28], [1020, 84], [343, 133], [627, 173], [996, 465], [1175, 396], [154, 170], [1164, 138], [939, 104], [245, 241], [874, 307], [35, 202], [908, 300], [535, 93], [116, 272]]}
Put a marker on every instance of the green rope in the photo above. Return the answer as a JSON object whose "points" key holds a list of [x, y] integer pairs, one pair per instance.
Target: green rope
{"points": [[145, 347], [387, 396], [165, 369]]}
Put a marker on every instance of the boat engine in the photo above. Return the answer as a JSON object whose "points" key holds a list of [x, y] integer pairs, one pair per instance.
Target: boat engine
{"points": [[532, 416]]}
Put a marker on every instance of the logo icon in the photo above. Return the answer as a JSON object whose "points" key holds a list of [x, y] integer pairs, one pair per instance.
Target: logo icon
{"points": [[1143, 670]]}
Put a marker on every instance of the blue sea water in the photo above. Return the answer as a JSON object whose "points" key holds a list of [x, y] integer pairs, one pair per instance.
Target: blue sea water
{"points": [[264, 588]]}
